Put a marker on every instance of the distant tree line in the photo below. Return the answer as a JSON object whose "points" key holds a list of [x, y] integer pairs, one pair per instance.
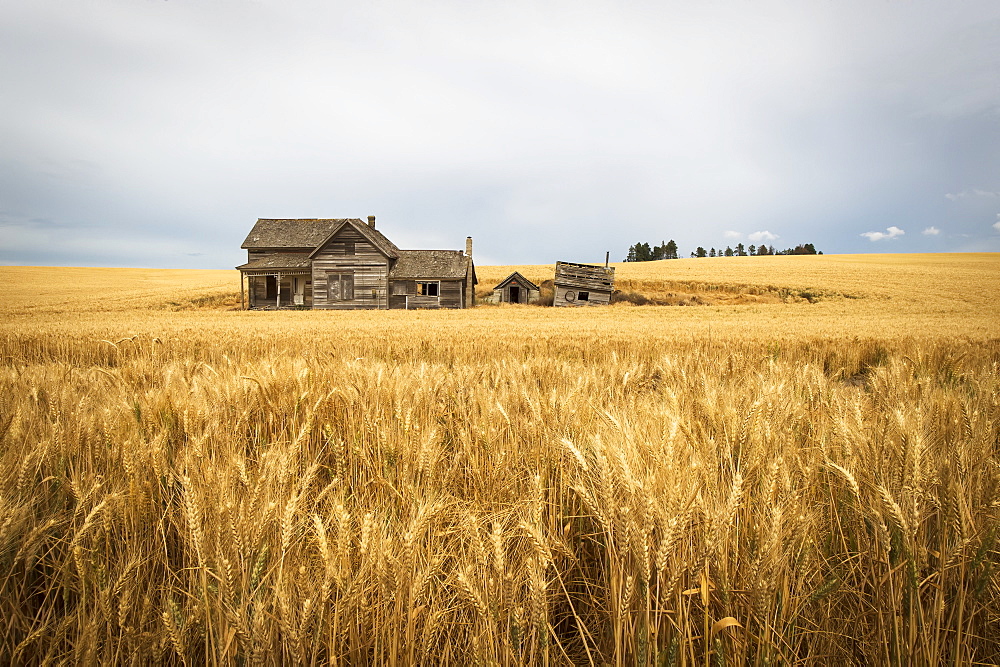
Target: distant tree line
{"points": [[642, 252]]}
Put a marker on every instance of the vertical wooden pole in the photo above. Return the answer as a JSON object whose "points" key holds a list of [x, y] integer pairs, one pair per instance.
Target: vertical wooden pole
{"points": [[242, 293], [277, 292]]}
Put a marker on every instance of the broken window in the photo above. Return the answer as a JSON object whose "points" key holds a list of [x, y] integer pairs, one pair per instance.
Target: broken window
{"points": [[340, 286], [428, 288], [584, 296]]}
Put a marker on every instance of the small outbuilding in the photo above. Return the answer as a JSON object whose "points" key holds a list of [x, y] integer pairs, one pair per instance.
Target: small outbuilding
{"points": [[515, 288], [583, 284]]}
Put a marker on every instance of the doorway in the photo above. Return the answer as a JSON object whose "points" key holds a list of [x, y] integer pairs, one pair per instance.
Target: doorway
{"points": [[299, 290], [515, 294]]}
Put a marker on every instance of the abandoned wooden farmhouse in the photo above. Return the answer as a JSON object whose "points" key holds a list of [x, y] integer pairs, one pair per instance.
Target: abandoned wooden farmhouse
{"points": [[583, 284], [347, 264]]}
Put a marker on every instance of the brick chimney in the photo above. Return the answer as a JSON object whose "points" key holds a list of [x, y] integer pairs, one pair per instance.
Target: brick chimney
{"points": [[470, 289], [371, 221]]}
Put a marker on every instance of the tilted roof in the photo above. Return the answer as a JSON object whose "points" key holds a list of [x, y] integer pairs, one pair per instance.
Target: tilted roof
{"points": [[416, 264], [279, 260], [516, 276], [587, 276]]}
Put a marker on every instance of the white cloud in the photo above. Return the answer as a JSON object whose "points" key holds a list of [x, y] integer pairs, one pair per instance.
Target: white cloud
{"points": [[931, 231], [975, 192], [733, 235], [890, 233], [763, 236]]}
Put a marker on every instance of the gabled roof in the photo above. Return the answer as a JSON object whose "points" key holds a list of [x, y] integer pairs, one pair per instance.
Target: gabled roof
{"points": [[417, 264], [279, 260], [377, 239], [291, 232], [516, 276]]}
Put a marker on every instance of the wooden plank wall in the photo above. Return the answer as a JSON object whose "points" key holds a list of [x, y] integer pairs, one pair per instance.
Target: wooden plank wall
{"points": [[597, 281], [596, 298], [369, 266], [451, 293], [404, 292]]}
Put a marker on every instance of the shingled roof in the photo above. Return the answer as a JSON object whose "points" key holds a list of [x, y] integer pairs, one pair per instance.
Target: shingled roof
{"points": [[417, 264], [279, 260], [377, 238]]}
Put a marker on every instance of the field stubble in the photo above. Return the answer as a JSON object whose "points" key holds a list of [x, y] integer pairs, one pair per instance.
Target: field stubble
{"points": [[506, 485]]}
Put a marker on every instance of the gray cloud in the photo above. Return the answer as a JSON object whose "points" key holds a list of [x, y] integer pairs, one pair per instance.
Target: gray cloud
{"points": [[151, 132]]}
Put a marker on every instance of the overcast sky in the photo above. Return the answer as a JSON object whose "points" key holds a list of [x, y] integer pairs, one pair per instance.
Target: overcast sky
{"points": [[154, 133]]}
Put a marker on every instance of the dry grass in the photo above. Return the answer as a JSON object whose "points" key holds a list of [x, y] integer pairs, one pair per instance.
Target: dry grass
{"points": [[508, 485]]}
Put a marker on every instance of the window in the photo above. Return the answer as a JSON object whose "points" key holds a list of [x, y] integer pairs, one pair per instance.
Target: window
{"points": [[398, 288], [340, 286], [584, 296], [427, 288], [348, 247]]}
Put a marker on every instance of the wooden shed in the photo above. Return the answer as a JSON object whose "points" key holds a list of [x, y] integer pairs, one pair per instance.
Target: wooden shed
{"points": [[515, 288], [583, 284]]}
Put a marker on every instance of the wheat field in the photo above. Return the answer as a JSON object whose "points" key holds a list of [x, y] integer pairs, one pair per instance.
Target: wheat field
{"points": [[801, 467]]}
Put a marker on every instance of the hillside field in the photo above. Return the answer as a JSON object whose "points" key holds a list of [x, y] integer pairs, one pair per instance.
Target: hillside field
{"points": [[799, 462]]}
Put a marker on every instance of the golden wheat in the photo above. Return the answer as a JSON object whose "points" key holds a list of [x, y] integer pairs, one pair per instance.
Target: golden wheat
{"points": [[791, 482]]}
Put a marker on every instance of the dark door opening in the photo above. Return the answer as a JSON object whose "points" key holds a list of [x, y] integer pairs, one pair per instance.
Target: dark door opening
{"points": [[515, 294], [270, 287]]}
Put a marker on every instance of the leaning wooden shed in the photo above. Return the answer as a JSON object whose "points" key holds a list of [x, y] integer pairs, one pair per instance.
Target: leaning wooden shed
{"points": [[583, 284], [515, 288]]}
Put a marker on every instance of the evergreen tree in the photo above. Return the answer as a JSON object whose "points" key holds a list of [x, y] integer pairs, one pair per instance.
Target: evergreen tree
{"points": [[729, 251], [670, 250], [701, 252]]}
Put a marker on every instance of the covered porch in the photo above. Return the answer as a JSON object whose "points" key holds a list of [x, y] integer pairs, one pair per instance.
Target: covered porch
{"points": [[271, 290], [281, 280]]}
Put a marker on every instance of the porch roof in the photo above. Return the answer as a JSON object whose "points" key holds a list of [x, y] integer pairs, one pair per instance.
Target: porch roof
{"points": [[278, 261]]}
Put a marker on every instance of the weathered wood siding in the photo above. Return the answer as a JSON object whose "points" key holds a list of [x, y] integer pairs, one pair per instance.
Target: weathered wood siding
{"points": [[368, 266], [571, 279], [403, 294], [451, 293], [570, 296]]}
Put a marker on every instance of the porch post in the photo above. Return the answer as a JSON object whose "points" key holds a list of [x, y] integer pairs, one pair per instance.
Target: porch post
{"points": [[277, 292], [242, 293]]}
